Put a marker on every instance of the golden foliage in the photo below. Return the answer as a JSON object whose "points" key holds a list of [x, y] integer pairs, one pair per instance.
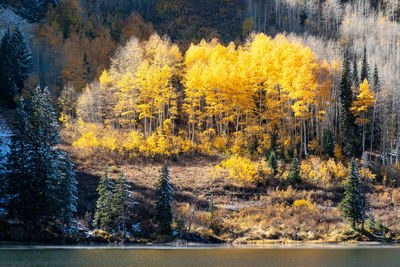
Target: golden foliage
{"points": [[241, 170], [234, 97], [364, 101], [322, 172]]}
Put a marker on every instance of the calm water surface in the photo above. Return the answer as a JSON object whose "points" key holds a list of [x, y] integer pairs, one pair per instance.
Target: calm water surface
{"points": [[337, 256]]}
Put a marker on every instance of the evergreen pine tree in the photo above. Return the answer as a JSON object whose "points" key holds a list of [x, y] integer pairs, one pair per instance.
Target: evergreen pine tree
{"points": [[7, 84], [22, 58], [20, 184], [352, 203], [329, 144], [44, 136], [67, 192], [294, 177], [364, 67], [86, 68], [164, 196], [15, 64], [42, 187], [121, 203], [348, 129], [291, 151], [103, 215], [272, 162], [180, 226], [376, 82], [354, 78], [37, 173], [273, 145]]}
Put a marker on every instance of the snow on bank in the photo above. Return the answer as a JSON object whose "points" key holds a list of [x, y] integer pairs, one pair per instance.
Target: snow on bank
{"points": [[5, 139]]}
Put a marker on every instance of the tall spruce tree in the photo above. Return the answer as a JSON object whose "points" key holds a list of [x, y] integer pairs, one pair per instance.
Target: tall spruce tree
{"points": [[164, 196], [15, 63], [354, 77], [22, 57], [103, 215], [364, 67], [121, 203], [37, 173], [20, 188], [347, 126], [7, 84], [376, 82], [375, 131], [352, 205], [67, 192], [44, 136]]}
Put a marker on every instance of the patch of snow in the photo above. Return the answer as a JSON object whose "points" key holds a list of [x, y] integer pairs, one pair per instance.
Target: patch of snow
{"points": [[5, 139], [136, 227]]}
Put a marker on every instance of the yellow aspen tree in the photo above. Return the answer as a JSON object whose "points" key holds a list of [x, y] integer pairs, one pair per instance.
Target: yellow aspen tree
{"points": [[360, 106]]}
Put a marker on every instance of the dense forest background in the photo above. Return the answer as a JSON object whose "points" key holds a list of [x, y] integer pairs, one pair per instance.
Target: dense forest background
{"points": [[73, 41]]}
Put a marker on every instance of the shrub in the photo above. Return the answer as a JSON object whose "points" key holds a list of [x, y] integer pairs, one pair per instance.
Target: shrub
{"points": [[242, 170]]}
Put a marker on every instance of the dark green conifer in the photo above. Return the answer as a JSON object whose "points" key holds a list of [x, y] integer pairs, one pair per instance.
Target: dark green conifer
{"points": [[42, 186], [273, 144], [86, 68], [164, 196], [376, 82], [272, 162], [352, 203], [355, 80], [67, 190], [15, 63], [22, 57], [121, 203], [7, 84], [329, 144], [103, 215], [294, 176], [19, 187], [348, 128], [364, 67]]}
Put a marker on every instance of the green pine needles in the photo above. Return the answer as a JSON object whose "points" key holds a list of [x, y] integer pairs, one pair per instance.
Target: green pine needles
{"points": [[114, 204], [164, 195], [352, 205], [121, 203], [41, 183], [103, 215], [294, 176]]}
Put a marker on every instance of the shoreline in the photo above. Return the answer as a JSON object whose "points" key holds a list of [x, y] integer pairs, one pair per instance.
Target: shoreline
{"points": [[189, 246]]}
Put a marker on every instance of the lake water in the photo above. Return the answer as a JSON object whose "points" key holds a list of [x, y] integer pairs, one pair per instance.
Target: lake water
{"points": [[211, 256]]}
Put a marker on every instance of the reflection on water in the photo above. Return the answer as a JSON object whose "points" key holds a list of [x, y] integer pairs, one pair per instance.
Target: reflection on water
{"points": [[337, 256]]}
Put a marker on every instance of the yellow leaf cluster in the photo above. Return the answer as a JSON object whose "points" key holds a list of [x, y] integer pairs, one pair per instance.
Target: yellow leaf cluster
{"points": [[321, 172], [241, 170], [364, 101], [230, 97]]}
